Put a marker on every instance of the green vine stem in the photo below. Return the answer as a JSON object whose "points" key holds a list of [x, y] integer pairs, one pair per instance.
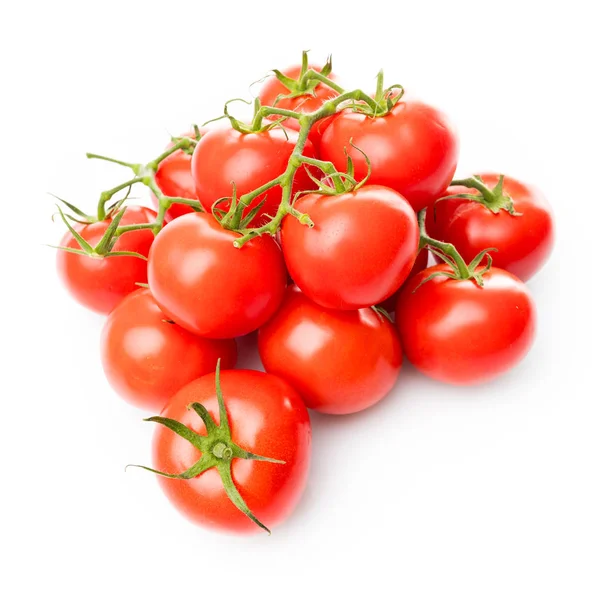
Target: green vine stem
{"points": [[234, 219], [143, 173], [297, 159], [459, 269], [493, 199], [446, 248]]}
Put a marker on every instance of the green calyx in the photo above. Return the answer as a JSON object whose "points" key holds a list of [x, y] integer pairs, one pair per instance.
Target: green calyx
{"points": [[142, 173], [384, 101], [303, 86], [493, 199], [459, 269], [217, 448]]}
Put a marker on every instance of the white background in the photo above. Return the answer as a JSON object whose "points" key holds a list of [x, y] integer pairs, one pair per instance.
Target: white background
{"points": [[438, 492]]}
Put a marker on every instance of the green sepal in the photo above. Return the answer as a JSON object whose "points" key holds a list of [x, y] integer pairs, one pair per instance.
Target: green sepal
{"points": [[106, 243], [217, 448], [82, 243]]}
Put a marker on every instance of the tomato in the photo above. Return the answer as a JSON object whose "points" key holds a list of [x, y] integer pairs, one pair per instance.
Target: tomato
{"points": [[523, 241], [174, 178], [273, 88], [458, 332], [268, 418], [339, 361], [359, 252], [147, 358], [389, 305], [226, 156], [101, 283], [209, 287], [413, 149]]}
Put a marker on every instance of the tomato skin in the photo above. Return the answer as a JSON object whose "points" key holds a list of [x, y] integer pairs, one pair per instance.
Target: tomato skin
{"points": [[308, 103], [174, 178], [463, 334], [209, 287], [267, 417], [413, 149], [389, 305], [523, 242], [147, 359], [361, 249], [101, 283], [250, 160], [340, 362]]}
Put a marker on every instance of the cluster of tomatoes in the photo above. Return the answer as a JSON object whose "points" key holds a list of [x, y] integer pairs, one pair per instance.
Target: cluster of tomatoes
{"points": [[311, 225]]}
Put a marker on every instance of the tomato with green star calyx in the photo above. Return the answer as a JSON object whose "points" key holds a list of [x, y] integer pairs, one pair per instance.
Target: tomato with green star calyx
{"points": [[360, 250], [340, 362], [460, 332], [508, 215], [174, 178], [147, 358], [234, 453], [226, 157], [275, 93], [209, 287], [100, 283], [413, 149]]}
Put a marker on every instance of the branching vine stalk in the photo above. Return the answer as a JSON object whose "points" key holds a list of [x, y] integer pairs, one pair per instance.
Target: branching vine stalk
{"points": [[238, 216]]}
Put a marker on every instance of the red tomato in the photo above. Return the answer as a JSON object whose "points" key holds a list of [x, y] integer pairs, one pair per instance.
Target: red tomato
{"points": [[267, 417], [226, 156], [523, 241], [174, 178], [412, 150], [209, 287], [339, 361], [389, 305], [458, 332], [361, 249], [101, 283], [147, 358], [304, 104]]}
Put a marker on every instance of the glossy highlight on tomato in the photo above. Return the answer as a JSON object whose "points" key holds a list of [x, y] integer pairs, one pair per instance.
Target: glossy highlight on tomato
{"points": [[340, 362], [360, 250], [209, 287], [413, 149], [101, 283], [147, 358], [461, 333], [523, 241], [267, 417], [224, 157]]}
